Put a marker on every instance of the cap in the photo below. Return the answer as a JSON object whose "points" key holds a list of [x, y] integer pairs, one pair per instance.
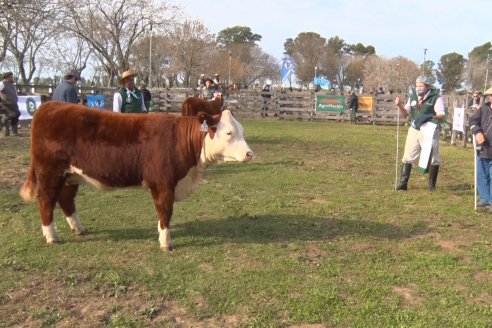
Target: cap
{"points": [[7, 74], [424, 79], [72, 73]]}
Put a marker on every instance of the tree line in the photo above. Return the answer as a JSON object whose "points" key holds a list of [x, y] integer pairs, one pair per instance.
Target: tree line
{"points": [[104, 38]]}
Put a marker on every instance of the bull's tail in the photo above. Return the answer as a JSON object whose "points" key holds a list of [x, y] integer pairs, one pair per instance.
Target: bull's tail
{"points": [[28, 191]]}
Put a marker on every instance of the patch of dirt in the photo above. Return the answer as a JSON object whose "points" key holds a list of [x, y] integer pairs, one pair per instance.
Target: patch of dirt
{"points": [[409, 295], [13, 166], [47, 301]]}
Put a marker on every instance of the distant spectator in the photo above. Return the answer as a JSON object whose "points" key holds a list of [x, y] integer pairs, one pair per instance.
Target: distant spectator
{"points": [[65, 91], [201, 81], [147, 96], [8, 103], [353, 105], [267, 95], [128, 99], [209, 90], [475, 100]]}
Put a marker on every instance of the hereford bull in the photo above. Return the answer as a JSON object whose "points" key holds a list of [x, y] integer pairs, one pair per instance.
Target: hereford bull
{"points": [[163, 153], [192, 105]]}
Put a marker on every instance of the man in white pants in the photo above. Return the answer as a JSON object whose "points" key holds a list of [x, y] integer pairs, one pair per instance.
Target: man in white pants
{"points": [[423, 105]]}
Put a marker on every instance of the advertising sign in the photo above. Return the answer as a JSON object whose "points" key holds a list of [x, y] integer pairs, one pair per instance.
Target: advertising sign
{"points": [[28, 106], [365, 104], [334, 104]]}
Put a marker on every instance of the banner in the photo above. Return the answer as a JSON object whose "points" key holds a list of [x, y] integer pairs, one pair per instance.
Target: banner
{"points": [[334, 104], [458, 119], [323, 82], [288, 66], [95, 101], [28, 106], [365, 104]]}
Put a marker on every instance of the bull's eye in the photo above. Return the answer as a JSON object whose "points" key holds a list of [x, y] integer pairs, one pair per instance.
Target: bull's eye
{"points": [[229, 133]]}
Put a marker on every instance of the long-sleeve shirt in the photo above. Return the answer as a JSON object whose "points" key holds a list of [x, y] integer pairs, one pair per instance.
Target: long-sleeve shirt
{"points": [[481, 121]]}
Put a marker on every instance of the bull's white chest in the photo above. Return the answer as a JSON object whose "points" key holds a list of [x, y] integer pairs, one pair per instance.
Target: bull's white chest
{"points": [[187, 185]]}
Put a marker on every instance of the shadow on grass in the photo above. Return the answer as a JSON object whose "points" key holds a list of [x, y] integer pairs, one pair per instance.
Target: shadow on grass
{"points": [[268, 229]]}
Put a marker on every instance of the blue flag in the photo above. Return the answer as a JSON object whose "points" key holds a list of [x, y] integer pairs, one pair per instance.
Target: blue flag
{"points": [[288, 66]]}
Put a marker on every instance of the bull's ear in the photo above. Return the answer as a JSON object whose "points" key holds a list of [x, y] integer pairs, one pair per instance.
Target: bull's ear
{"points": [[209, 123]]}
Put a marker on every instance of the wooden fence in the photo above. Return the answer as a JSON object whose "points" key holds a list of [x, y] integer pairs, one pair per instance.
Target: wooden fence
{"points": [[282, 105]]}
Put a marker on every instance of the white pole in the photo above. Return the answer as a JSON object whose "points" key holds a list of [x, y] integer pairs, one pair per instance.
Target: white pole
{"points": [[397, 146], [475, 171]]}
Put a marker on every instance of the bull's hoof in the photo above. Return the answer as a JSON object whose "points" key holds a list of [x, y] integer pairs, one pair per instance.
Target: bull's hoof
{"points": [[80, 232], [167, 249], [53, 242]]}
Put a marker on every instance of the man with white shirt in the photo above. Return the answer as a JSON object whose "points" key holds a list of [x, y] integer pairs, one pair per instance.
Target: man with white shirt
{"points": [[423, 105], [128, 99]]}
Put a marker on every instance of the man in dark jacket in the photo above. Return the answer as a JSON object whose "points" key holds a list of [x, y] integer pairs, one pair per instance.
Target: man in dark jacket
{"points": [[353, 105], [65, 91], [9, 98], [481, 127]]}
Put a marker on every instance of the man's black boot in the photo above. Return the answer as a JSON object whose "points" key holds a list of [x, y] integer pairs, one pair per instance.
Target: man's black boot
{"points": [[405, 175]]}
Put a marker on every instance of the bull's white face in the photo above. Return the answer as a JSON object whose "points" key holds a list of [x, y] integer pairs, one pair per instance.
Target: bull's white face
{"points": [[228, 144]]}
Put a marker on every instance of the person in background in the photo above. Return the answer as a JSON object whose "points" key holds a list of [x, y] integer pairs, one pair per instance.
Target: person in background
{"points": [[8, 99], [128, 99], [217, 83], [353, 105], [481, 127], [424, 104], [208, 92], [147, 96], [201, 81], [65, 91], [475, 100], [267, 95]]}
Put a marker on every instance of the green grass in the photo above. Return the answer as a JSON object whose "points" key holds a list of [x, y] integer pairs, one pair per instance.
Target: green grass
{"points": [[310, 232]]}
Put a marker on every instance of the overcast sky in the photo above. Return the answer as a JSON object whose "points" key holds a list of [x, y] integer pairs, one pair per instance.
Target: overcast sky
{"points": [[394, 27]]}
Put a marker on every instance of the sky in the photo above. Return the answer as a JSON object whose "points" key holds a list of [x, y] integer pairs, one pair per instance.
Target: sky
{"points": [[393, 27]]}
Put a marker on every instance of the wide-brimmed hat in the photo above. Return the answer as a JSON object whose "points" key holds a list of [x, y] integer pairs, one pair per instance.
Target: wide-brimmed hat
{"points": [[208, 79], [126, 74], [72, 73], [488, 92], [7, 74]]}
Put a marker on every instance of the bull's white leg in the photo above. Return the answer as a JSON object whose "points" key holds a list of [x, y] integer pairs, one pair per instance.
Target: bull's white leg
{"points": [[74, 223], [50, 234], [164, 238]]}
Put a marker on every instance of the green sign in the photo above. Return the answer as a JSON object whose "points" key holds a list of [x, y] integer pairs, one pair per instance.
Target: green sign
{"points": [[334, 104]]}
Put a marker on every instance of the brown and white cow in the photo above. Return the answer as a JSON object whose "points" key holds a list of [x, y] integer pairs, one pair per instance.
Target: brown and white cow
{"points": [[163, 153], [193, 105]]}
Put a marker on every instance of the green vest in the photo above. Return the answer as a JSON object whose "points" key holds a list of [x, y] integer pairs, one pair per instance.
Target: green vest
{"points": [[131, 103], [427, 105]]}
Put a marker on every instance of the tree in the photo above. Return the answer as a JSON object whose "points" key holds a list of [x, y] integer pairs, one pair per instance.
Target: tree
{"points": [[235, 35], [450, 71], [192, 44], [306, 49], [395, 74], [427, 69], [476, 67], [24, 34], [112, 28]]}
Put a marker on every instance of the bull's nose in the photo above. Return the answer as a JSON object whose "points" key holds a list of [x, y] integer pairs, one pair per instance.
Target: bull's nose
{"points": [[249, 155]]}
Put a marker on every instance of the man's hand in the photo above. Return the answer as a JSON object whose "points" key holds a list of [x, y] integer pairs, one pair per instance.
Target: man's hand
{"points": [[480, 138], [397, 101]]}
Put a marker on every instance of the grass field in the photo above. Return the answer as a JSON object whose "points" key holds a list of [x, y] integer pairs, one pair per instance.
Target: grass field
{"points": [[309, 234]]}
